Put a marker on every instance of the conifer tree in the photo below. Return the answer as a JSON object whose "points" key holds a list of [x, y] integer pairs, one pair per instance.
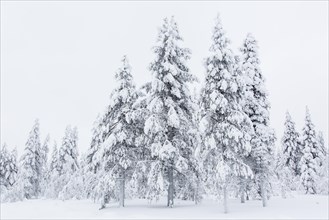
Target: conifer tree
{"points": [[31, 162], [8, 167], [117, 152], [97, 139], [11, 189], [44, 165], [256, 106], [54, 166], [226, 128], [171, 112], [309, 162], [323, 183], [68, 152], [291, 146], [3, 163], [55, 183]]}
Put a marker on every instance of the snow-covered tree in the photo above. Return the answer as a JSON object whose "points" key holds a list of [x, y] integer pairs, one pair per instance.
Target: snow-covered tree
{"points": [[75, 187], [323, 182], [44, 165], [256, 106], [291, 147], [54, 166], [44, 153], [31, 162], [93, 161], [97, 139], [323, 151], [4, 155], [310, 161], [8, 167], [284, 174], [54, 179], [67, 164], [117, 152], [226, 128], [171, 111], [68, 152]]}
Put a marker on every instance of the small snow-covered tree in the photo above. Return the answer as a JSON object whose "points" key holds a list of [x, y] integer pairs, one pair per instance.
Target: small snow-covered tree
{"points": [[54, 179], [97, 139], [67, 164], [54, 166], [256, 106], [4, 155], [171, 111], [291, 146], [309, 162], [8, 167], [323, 151], [44, 153], [75, 187], [94, 162], [284, 174], [68, 152], [44, 165], [31, 162], [323, 182], [226, 128]]}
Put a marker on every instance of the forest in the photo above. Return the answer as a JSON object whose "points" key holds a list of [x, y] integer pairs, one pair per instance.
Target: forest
{"points": [[164, 140]]}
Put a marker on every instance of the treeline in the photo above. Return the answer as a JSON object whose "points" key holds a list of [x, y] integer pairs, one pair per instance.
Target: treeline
{"points": [[163, 140]]}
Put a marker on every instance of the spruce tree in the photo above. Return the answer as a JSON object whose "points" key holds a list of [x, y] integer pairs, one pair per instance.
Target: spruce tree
{"points": [[226, 128], [54, 166], [93, 163], [8, 167], [291, 146], [323, 182], [171, 111], [31, 163], [67, 162], [44, 165], [256, 106], [55, 183], [309, 162], [68, 152], [4, 155], [118, 150]]}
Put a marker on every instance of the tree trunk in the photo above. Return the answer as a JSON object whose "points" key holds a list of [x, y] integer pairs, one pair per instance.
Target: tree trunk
{"points": [[263, 191], [225, 199], [122, 189], [196, 193], [242, 190], [283, 192], [170, 202]]}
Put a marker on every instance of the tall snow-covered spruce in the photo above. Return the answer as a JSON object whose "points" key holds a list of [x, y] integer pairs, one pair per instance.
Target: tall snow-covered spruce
{"points": [[311, 158], [116, 155], [226, 128], [257, 107], [171, 113]]}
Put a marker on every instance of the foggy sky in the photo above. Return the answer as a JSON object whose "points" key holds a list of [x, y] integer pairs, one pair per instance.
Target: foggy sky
{"points": [[58, 59]]}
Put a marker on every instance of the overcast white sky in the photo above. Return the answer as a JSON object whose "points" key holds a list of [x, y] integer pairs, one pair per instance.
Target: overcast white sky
{"points": [[58, 59]]}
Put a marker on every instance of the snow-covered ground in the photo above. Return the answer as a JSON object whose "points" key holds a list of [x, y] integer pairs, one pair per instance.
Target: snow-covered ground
{"points": [[299, 207]]}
